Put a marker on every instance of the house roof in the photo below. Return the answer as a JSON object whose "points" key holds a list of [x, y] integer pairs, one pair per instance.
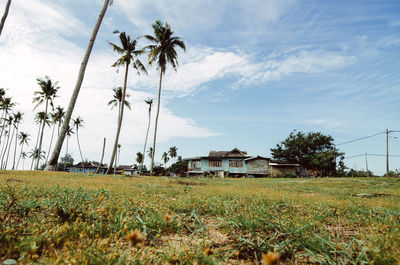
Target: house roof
{"points": [[257, 157], [122, 167], [88, 164], [235, 153]]}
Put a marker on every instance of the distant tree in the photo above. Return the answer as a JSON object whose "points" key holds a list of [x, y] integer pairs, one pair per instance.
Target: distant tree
{"points": [[139, 157], [165, 158], [70, 131], [173, 152], [179, 168], [23, 139], [149, 102], [78, 123], [65, 162], [56, 120], [313, 151], [23, 155], [37, 155], [17, 121], [150, 152], [117, 99]]}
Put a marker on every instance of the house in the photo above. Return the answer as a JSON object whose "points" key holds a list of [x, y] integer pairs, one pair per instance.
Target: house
{"points": [[87, 167], [237, 163]]}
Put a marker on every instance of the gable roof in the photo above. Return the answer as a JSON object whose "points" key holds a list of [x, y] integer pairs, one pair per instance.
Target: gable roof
{"points": [[257, 157], [235, 153]]}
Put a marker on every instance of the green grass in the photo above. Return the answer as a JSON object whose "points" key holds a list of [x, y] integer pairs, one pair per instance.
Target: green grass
{"points": [[60, 218]]}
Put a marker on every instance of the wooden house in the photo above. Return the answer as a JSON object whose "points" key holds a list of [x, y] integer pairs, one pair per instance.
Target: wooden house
{"points": [[87, 167]]}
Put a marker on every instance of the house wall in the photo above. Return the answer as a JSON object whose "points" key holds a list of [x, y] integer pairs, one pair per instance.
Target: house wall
{"points": [[225, 166], [258, 167], [85, 170], [282, 170]]}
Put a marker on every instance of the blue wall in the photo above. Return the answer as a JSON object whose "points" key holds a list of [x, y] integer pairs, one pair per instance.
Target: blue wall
{"points": [[85, 170], [225, 166]]}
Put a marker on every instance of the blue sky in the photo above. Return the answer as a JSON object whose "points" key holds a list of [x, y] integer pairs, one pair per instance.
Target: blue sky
{"points": [[253, 72]]}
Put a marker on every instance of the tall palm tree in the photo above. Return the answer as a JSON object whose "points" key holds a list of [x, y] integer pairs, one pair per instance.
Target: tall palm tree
{"points": [[24, 155], [41, 117], [5, 14], [139, 158], [23, 139], [150, 152], [162, 52], [129, 56], [70, 131], [36, 155], [52, 164], [6, 106], [8, 123], [56, 119], [46, 94], [149, 102], [17, 121], [78, 123], [173, 152], [165, 158], [117, 99]]}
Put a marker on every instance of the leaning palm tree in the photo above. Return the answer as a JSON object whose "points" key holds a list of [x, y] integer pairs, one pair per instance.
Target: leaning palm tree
{"points": [[46, 94], [165, 159], [173, 152], [6, 105], [149, 102], [78, 123], [52, 164], [23, 139], [5, 14], [129, 56], [162, 52]]}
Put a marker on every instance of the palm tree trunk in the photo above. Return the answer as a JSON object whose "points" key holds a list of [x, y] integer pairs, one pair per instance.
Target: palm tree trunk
{"points": [[37, 140], [79, 145], [121, 115], [3, 19], [20, 154], [155, 126], [66, 150], [3, 115], [52, 164], [145, 142], [102, 156], [9, 147], [51, 142], [4, 151], [41, 135], [15, 148]]}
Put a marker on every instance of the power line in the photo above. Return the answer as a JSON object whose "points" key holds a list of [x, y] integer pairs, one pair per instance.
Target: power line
{"points": [[362, 138], [370, 155]]}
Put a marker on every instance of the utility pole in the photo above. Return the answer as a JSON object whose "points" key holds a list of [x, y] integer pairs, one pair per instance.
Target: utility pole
{"points": [[366, 164], [387, 152]]}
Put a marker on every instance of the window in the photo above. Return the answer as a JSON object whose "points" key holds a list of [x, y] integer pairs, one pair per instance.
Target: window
{"points": [[235, 163], [196, 163], [215, 163]]}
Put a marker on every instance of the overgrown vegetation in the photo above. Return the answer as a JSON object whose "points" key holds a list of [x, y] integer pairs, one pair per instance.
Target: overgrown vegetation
{"points": [[61, 218]]}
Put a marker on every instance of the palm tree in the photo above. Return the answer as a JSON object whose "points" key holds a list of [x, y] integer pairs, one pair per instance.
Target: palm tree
{"points": [[139, 158], [162, 52], [149, 102], [36, 155], [6, 105], [23, 155], [56, 119], [150, 152], [41, 118], [3, 19], [70, 131], [116, 102], [165, 158], [78, 123], [129, 56], [23, 139], [46, 94], [173, 152], [8, 122], [17, 121], [52, 164]]}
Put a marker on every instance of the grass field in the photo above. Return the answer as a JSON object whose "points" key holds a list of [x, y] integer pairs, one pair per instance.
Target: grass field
{"points": [[61, 218]]}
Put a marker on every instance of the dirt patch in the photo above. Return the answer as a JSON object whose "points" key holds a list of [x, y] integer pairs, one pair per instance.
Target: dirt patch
{"points": [[374, 195], [190, 183], [14, 180]]}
